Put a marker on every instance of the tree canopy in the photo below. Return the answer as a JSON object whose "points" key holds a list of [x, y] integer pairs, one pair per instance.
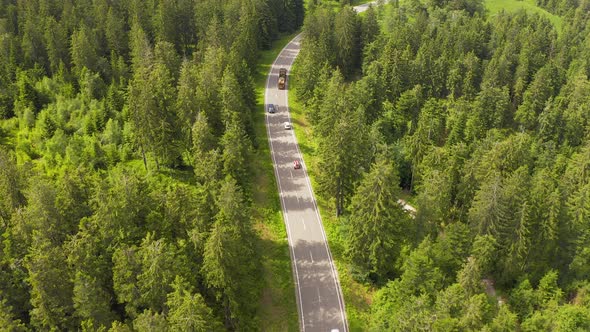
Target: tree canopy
{"points": [[481, 120], [126, 135]]}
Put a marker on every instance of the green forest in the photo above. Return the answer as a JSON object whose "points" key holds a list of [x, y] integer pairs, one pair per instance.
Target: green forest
{"points": [[126, 142], [482, 121]]}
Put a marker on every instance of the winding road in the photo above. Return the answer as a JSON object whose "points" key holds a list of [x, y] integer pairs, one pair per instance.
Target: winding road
{"points": [[319, 298]]}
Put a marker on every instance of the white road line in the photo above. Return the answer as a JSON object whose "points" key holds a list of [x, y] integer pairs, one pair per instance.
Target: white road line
{"points": [[311, 255], [303, 221]]}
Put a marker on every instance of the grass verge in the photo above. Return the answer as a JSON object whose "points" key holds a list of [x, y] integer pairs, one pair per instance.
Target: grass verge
{"points": [[278, 309], [357, 296], [495, 6]]}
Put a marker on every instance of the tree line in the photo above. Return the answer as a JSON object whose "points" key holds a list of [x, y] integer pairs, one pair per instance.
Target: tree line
{"points": [[484, 120], [126, 136]]}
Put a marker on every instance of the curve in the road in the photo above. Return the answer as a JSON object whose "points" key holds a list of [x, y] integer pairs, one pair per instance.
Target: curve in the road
{"points": [[318, 292]]}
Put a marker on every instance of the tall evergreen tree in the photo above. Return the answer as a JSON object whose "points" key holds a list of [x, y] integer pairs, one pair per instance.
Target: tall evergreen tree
{"points": [[230, 245], [344, 155], [51, 286], [347, 37], [188, 311], [377, 223]]}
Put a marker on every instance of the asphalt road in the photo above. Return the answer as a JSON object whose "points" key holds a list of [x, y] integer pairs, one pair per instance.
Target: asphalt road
{"points": [[319, 297]]}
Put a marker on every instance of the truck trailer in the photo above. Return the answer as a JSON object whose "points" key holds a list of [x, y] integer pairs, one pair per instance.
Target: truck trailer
{"points": [[282, 78]]}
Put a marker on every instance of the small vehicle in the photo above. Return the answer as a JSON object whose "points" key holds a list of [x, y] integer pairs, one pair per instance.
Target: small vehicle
{"points": [[296, 164], [271, 108], [288, 125]]}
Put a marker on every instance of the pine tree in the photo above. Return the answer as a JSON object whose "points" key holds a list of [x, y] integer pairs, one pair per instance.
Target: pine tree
{"points": [[537, 94], [7, 319], [159, 267], [151, 100], [150, 321], [10, 186], [486, 210], [236, 151], [115, 31], [347, 38], [344, 153], [165, 21], [84, 52], [126, 268], [233, 105], [369, 27], [230, 245], [92, 301], [56, 41], [51, 286], [186, 103], [209, 85], [188, 311], [377, 223]]}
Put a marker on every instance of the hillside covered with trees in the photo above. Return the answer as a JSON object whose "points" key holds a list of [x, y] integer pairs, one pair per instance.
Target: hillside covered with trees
{"points": [[485, 120], [126, 136]]}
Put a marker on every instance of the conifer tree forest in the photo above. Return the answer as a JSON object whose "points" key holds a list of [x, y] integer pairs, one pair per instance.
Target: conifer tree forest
{"points": [[484, 122], [126, 136]]}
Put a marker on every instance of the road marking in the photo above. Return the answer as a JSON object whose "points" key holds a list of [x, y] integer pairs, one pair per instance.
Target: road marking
{"points": [[319, 296], [290, 171], [311, 255], [303, 221]]}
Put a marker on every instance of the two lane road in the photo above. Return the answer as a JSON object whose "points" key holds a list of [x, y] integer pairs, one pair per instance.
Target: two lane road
{"points": [[319, 299]]}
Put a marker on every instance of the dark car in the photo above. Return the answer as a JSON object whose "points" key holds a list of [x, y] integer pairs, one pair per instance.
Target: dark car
{"points": [[296, 164], [271, 108]]}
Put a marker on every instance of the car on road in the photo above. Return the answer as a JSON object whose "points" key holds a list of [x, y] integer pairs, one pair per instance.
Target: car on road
{"points": [[271, 108], [288, 125], [296, 164]]}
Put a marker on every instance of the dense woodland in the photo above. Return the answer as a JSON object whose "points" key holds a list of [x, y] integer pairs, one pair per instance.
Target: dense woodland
{"points": [[125, 139], [485, 120]]}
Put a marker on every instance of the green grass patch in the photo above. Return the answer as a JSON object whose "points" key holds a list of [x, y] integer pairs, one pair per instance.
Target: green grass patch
{"points": [[278, 308], [357, 296], [495, 6]]}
